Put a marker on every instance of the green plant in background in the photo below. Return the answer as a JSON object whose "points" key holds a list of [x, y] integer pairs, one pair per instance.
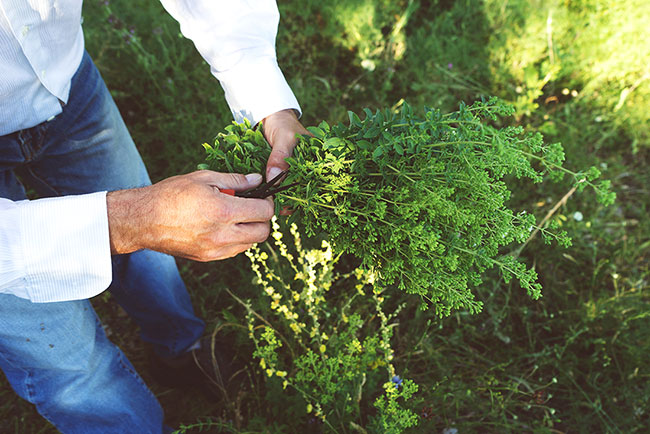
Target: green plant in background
{"points": [[421, 202], [596, 48], [317, 339]]}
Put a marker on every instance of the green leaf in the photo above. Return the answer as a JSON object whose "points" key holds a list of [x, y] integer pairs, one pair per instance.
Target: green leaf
{"points": [[317, 132], [333, 143], [372, 132], [377, 153], [354, 119]]}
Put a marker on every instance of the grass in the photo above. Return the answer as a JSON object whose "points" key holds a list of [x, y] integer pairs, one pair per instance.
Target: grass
{"points": [[575, 361]]}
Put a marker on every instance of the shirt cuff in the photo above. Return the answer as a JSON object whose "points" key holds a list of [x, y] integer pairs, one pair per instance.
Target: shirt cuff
{"points": [[255, 89], [66, 247]]}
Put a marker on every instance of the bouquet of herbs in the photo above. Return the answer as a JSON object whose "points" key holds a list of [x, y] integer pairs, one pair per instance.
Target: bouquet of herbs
{"points": [[421, 201]]}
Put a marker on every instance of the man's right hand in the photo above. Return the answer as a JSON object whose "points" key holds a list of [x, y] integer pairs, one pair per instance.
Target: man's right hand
{"points": [[187, 216]]}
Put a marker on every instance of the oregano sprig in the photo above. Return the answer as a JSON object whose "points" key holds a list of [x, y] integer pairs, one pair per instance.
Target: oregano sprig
{"points": [[421, 201]]}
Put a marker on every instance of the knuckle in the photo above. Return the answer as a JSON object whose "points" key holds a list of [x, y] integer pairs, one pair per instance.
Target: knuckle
{"points": [[204, 256], [237, 179], [281, 152], [223, 213]]}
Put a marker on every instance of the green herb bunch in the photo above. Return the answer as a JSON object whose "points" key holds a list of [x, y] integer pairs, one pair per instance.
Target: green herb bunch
{"points": [[420, 201]]}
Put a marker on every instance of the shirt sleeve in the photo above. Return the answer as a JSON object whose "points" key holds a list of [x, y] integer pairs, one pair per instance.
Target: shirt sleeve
{"points": [[237, 39], [55, 249]]}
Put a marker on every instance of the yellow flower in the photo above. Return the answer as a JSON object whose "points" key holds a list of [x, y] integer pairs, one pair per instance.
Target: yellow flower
{"points": [[323, 348]]}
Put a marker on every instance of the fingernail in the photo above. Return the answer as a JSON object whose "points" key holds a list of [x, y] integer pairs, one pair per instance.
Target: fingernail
{"points": [[273, 172], [254, 178]]}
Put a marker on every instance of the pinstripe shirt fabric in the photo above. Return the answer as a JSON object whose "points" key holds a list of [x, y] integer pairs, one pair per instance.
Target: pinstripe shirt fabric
{"points": [[55, 249]]}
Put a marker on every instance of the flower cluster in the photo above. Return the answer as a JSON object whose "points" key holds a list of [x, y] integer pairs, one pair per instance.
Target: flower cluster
{"points": [[313, 338]]}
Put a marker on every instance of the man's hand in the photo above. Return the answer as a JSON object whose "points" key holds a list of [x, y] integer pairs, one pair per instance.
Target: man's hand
{"points": [[280, 130], [187, 216]]}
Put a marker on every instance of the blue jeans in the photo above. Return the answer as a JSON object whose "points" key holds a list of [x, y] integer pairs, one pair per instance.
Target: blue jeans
{"points": [[56, 355]]}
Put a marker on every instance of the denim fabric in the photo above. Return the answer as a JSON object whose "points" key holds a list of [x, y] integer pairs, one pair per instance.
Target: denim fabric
{"points": [[56, 355]]}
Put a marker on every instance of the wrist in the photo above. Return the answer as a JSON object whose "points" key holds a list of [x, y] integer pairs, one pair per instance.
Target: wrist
{"points": [[125, 220], [286, 115]]}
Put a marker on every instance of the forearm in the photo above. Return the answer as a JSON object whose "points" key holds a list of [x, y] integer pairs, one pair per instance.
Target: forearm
{"points": [[126, 210]]}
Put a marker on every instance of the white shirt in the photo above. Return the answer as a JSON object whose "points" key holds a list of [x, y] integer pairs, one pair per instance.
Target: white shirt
{"points": [[58, 249]]}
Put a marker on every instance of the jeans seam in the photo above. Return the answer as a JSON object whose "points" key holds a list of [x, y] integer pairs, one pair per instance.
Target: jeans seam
{"points": [[44, 182], [25, 149], [28, 383], [133, 373], [29, 387]]}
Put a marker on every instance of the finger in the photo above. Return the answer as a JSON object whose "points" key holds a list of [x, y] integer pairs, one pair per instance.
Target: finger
{"points": [[233, 181], [241, 234], [256, 232], [246, 210]]}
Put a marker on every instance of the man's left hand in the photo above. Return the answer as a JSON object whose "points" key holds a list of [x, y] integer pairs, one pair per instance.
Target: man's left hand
{"points": [[280, 130]]}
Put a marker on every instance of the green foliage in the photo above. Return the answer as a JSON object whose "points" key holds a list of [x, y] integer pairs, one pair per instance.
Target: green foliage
{"points": [[541, 43], [330, 347], [426, 196], [248, 150], [393, 419]]}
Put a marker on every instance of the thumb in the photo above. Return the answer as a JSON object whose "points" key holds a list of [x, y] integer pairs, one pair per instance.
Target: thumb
{"points": [[276, 162]]}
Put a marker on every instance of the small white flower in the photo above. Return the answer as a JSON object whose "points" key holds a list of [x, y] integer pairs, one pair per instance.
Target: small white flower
{"points": [[577, 216], [368, 64]]}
